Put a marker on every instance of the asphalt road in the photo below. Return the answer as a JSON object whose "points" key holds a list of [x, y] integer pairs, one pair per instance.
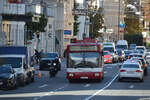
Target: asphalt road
{"points": [[58, 88]]}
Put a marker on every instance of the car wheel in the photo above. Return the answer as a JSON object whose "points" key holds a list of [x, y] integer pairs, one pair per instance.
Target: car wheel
{"points": [[120, 80], [142, 80]]}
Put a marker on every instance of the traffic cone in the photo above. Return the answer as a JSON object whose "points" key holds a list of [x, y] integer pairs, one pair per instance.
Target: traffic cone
{"points": [[39, 74]]}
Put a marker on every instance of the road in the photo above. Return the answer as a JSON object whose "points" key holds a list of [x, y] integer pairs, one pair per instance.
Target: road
{"points": [[58, 88]]}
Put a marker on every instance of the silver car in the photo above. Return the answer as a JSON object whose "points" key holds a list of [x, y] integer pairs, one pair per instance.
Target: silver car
{"points": [[131, 69]]}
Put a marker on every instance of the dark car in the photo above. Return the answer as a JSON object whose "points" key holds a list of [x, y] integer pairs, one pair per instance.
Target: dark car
{"points": [[127, 53], [8, 77], [50, 59]]}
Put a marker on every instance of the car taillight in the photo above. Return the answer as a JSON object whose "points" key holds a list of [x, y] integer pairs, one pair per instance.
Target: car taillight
{"points": [[138, 70], [128, 57], [122, 70]]}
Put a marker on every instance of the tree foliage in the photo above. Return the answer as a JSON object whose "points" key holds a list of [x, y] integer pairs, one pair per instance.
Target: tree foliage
{"points": [[134, 38], [76, 23], [37, 26], [97, 22]]}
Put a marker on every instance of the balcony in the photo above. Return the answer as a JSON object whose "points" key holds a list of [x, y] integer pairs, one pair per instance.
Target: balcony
{"points": [[17, 9]]}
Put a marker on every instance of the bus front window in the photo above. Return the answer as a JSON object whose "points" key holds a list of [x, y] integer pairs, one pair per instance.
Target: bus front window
{"points": [[84, 60]]}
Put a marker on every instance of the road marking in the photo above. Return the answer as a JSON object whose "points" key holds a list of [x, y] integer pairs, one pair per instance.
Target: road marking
{"points": [[42, 86], [87, 85], [109, 67], [35, 98], [105, 72], [88, 98], [131, 86], [60, 88]]}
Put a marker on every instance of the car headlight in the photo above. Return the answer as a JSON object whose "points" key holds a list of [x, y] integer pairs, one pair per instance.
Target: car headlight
{"points": [[54, 64]]}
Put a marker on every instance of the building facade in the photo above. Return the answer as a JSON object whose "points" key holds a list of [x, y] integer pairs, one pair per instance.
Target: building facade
{"points": [[68, 21]]}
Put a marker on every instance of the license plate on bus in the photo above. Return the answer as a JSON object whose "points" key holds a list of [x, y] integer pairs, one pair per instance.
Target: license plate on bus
{"points": [[84, 77], [1, 83]]}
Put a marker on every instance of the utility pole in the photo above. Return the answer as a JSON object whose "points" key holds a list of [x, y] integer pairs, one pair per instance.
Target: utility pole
{"points": [[44, 5], [119, 20]]}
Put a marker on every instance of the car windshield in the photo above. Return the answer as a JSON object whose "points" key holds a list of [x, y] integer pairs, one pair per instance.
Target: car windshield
{"points": [[110, 49], [140, 49], [5, 70], [127, 52], [13, 61], [121, 47], [83, 60], [130, 66], [49, 55]]}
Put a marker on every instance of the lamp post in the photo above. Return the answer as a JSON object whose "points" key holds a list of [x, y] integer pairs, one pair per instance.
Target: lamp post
{"points": [[118, 20]]}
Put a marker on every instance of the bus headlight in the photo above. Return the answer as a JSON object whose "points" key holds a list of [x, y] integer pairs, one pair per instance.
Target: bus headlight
{"points": [[71, 74], [96, 74]]}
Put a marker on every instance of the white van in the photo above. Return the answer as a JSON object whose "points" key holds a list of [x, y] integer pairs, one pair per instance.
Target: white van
{"points": [[122, 44]]}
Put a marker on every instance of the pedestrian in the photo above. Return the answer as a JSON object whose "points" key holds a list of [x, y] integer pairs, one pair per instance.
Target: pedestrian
{"points": [[37, 55]]}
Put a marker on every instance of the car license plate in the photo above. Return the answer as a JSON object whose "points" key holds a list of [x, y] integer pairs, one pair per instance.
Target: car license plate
{"points": [[84, 77], [1, 83], [130, 72]]}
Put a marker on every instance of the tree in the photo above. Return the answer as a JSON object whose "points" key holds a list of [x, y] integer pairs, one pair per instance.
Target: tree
{"points": [[35, 26], [97, 22], [76, 23]]}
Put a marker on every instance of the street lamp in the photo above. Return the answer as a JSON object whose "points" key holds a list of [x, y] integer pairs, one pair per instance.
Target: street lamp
{"points": [[119, 21]]}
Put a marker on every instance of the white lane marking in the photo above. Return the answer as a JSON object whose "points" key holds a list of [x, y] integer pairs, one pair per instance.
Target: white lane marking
{"points": [[60, 88], [105, 72], [42, 86], [88, 98], [87, 85], [131, 86], [109, 67], [35, 98]]}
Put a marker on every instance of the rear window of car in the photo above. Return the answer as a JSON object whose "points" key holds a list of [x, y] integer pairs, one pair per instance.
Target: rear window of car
{"points": [[49, 55], [130, 66]]}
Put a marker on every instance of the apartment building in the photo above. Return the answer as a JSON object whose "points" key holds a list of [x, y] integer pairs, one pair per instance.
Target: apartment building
{"points": [[68, 21]]}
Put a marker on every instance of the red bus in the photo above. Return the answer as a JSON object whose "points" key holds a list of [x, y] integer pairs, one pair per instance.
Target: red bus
{"points": [[85, 60]]}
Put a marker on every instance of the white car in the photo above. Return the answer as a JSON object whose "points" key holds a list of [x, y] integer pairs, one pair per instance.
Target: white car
{"points": [[131, 69], [148, 59]]}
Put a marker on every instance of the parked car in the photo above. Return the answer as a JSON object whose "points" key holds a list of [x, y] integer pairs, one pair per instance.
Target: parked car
{"points": [[131, 69], [8, 77], [47, 59], [107, 57]]}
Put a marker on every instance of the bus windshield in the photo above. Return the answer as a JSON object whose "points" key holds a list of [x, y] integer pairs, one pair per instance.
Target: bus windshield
{"points": [[84, 60], [15, 62]]}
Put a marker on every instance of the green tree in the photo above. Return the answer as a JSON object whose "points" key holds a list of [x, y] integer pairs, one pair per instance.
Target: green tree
{"points": [[97, 22], [76, 23], [134, 38], [33, 27]]}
